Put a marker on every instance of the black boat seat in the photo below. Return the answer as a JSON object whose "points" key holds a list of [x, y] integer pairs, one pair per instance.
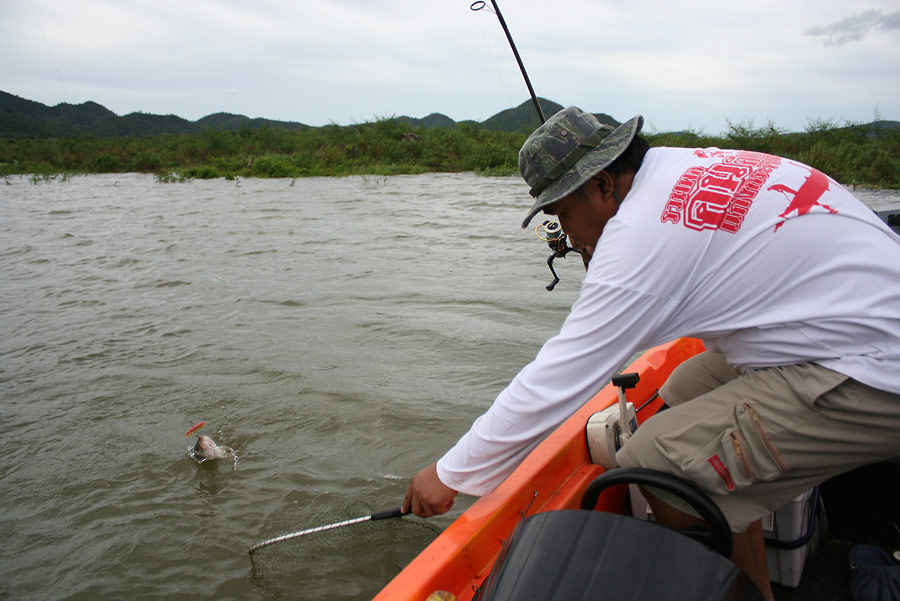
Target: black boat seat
{"points": [[576, 555], [581, 555]]}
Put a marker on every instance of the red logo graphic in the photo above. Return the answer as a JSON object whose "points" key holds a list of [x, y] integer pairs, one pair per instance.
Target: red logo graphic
{"points": [[805, 197], [718, 196], [723, 472]]}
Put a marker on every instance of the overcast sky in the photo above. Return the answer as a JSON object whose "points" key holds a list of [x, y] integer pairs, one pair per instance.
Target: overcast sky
{"points": [[682, 64]]}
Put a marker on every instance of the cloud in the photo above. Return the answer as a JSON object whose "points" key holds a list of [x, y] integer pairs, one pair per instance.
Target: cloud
{"points": [[350, 61], [856, 27]]}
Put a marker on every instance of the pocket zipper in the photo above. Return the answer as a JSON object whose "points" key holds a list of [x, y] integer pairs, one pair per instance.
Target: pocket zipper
{"points": [[746, 467], [764, 436]]}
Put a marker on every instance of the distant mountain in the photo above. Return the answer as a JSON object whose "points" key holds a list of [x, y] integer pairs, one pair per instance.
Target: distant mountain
{"points": [[883, 124], [524, 117], [21, 118], [229, 121], [26, 118], [432, 120]]}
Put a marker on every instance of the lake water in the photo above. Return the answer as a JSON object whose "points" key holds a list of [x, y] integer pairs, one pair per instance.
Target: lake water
{"points": [[337, 333]]}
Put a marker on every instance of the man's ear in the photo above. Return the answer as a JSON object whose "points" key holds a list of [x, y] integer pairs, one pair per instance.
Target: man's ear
{"points": [[607, 184]]}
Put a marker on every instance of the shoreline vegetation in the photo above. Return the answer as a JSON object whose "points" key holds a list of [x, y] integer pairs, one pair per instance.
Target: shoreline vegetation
{"points": [[854, 155]]}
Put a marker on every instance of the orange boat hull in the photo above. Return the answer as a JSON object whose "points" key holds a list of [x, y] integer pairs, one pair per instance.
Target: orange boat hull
{"points": [[552, 477]]}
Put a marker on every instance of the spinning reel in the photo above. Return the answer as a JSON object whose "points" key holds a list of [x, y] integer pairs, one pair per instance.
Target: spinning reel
{"points": [[551, 233]]}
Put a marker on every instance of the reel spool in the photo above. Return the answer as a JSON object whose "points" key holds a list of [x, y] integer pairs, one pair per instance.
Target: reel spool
{"points": [[551, 232]]}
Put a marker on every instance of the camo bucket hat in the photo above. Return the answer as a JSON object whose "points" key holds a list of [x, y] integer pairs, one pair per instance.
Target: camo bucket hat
{"points": [[568, 150]]}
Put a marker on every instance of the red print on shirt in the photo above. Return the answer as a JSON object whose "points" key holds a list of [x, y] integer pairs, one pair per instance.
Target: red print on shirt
{"points": [[719, 196], [805, 197]]}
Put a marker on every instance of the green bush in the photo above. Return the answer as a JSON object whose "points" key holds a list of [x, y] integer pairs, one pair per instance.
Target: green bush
{"points": [[269, 166], [106, 162], [201, 173], [853, 154]]}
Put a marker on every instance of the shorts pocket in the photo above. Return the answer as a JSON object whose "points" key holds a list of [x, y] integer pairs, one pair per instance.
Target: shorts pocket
{"points": [[748, 451], [735, 455]]}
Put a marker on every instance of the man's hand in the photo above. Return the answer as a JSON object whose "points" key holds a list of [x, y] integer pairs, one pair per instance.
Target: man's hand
{"points": [[427, 495]]}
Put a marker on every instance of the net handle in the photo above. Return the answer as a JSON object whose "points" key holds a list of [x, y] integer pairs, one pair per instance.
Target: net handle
{"points": [[395, 512]]}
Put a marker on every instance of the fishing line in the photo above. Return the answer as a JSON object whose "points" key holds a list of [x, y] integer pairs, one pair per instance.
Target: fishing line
{"points": [[480, 5], [488, 45], [549, 232], [49, 51]]}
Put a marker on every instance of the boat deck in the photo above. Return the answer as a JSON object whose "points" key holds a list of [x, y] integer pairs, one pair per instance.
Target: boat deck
{"points": [[826, 578], [861, 507]]}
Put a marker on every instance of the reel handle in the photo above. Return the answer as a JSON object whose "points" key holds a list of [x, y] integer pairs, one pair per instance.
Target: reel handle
{"points": [[551, 233]]}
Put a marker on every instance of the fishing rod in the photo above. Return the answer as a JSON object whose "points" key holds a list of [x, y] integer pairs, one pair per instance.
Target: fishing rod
{"points": [[476, 6], [549, 231]]}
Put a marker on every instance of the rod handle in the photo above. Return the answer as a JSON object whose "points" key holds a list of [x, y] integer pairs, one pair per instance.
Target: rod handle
{"points": [[387, 513]]}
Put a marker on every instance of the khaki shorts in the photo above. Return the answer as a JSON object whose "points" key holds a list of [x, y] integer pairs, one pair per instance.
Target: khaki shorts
{"points": [[755, 440]]}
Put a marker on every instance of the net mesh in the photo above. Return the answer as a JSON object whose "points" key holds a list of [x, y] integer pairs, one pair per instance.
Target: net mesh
{"points": [[350, 562]]}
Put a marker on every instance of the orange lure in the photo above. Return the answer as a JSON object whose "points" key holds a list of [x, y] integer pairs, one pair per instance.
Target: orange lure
{"points": [[194, 428]]}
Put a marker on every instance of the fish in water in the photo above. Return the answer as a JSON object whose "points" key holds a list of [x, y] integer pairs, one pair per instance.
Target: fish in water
{"points": [[206, 449]]}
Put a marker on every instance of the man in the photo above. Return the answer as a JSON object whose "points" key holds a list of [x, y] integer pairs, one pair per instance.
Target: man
{"points": [[792, 283]]}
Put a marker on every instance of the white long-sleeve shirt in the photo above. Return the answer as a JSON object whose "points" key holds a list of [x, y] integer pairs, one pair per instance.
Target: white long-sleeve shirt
{"points": [[767, 260]]}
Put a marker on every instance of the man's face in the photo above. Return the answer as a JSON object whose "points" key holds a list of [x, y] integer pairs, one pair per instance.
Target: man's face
{"points": [[583, 215]]}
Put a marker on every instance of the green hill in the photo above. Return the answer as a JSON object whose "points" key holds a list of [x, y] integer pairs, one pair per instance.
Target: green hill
{"points": [[432, 120], [524, 118], [232, 122], [21, 118]]}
